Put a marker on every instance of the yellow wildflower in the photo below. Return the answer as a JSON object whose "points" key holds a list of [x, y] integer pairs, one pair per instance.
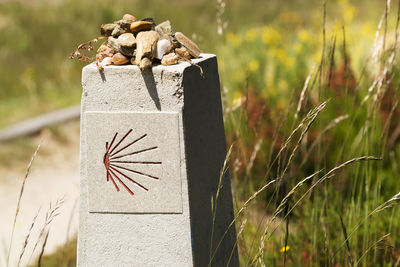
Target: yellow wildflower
{"points": [[233, 39], [270, 36], [237, 100], [349, 13], [251, 34], [298, 48], [304, 36], [285, 249], [281, 54], [289, 62], [254, 65]]}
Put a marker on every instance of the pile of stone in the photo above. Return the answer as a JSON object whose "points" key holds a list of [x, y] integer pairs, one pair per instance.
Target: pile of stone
{"points": [[142, 42]]}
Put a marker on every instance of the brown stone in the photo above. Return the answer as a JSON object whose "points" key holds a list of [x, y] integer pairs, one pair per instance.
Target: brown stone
{"points": [[192, 48], [129, 17], [182, 52], [146, 43], [118, 30], [138, 26], [107, 29], [127, 40], [145, 63], [164, 29], [169, 59], [128, 51], [113, 42], [119, 59], [103, 52]]}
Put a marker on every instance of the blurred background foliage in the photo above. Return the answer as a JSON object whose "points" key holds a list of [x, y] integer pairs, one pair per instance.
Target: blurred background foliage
{"points": [[277, 60]]}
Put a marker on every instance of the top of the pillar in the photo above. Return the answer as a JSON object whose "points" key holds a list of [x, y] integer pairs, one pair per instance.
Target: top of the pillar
{"points": [[177, 68], [161, 88]]}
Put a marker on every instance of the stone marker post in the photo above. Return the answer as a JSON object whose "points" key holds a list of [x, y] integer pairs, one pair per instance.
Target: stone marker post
{"points": [[152, 148]]}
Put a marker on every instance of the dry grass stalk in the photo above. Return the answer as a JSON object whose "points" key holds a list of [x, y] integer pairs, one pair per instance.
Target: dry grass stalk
{"points": [[303, 93], [329, 174], [242, 209], [42, 250], [330, 126], [253, 156], [236, 241], [277, 211], [344, 231], [19, 202], [371, 247], [27, 237], [214, 203], [386, 205], [313, 114], [51, 213], [306, 123]]}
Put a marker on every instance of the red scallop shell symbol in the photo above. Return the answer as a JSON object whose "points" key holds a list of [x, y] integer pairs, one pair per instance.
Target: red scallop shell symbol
{"points": [[115, 165]]}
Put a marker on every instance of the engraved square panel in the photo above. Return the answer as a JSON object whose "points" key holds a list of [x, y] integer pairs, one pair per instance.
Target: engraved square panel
{"points": [[133, 162]]}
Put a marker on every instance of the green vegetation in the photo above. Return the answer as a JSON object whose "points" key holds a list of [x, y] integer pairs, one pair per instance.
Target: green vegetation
{"points": [[64, 256], [277, 64]]}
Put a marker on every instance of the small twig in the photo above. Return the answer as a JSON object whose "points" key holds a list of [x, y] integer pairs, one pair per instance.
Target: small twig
{"points": [[193, 64], [78, 53]]}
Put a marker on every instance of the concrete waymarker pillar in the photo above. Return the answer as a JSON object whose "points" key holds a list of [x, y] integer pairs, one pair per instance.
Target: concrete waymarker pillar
{"points": [[152, 147]]}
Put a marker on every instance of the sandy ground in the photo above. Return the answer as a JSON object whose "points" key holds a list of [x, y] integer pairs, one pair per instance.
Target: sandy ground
{"points": [[54, 175]]}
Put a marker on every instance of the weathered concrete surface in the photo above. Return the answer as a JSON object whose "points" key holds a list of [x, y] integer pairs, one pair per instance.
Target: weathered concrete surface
{"points": [[153, 236]]}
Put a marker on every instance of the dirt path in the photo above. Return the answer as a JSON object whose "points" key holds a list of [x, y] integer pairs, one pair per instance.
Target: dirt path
{"points": [[54, 175]]}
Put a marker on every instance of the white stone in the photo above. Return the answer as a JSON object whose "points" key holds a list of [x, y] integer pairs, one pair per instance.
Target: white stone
{"points": [[163, 47], [181, 112], [105, 62]]}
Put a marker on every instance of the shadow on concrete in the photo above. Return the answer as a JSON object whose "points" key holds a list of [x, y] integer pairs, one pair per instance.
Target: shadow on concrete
{"points": [[103, 77], [151, 86]]}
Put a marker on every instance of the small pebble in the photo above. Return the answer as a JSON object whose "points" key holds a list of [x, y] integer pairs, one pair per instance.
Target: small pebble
{"points": [[169, 59], [118, 30], [107, 29], [119, 59], [103, 52], [182, 52], [149, 20], [145, 63], [163, 47], [192, 48], [128, 51], [113, 42], [129, 17], [127, 40], [146, 43], [105, 62], [125, 24], [138, 26], [164, 29]]}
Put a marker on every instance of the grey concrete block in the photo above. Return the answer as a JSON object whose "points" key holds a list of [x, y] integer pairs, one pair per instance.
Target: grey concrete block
{"points": [[169, 224]]}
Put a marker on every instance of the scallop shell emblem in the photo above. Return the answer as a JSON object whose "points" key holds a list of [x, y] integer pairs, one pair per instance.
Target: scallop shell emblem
{"points": [[119, 162]]}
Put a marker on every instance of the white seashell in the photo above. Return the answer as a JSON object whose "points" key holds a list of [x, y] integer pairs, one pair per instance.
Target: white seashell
{"points": [[163, 47]]}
